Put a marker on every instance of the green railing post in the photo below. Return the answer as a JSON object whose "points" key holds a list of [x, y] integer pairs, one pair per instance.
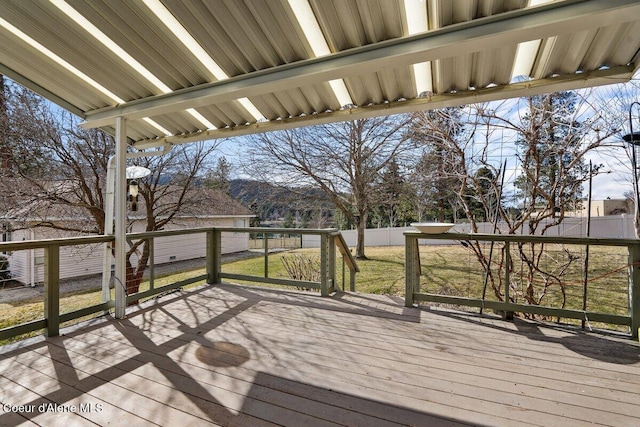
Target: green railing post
{"points": [[634, 288], [344, 265], [507, 315], [412, 270], [152, 262], [324, 267], [266, 254], [332, 263], [52, 290], [507, 277], [214, 256]]}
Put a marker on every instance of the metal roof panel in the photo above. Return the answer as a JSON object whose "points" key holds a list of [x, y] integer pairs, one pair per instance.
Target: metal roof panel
{"points": [[261, 47]]}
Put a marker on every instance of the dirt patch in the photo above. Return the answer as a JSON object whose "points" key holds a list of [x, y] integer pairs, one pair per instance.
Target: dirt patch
{"points": [[10, 284]]}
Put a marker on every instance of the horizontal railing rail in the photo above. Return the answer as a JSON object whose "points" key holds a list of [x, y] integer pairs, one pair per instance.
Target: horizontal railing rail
{"points": [[52, 318], [65, 241], [413, 273]]}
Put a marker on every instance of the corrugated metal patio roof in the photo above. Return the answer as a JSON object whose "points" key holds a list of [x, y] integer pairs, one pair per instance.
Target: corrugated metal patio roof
{"points": [[181, 71]]}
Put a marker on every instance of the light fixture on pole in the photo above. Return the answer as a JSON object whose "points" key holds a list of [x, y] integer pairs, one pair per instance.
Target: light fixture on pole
{"points": [[133, 174], [133, 188], [133, 195], [633, 138]]}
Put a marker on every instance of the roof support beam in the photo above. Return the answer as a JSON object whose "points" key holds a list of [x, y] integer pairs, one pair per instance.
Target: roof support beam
{"points": [[514, 90], [468, 37], [19, 78]]}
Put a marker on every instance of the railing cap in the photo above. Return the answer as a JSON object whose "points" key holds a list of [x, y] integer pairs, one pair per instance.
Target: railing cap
{"points": [[526, 238]]}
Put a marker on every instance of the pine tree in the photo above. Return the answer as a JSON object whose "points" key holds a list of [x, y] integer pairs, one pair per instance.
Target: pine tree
{"points": [[219, 178], [437, 177], [550, 152], [391, 191]]}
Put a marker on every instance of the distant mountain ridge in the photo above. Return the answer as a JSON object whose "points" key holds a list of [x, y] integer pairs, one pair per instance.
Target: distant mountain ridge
{"points": [[272, 202]]}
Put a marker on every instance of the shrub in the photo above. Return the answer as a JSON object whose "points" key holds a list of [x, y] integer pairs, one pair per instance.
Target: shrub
{"points": [[5, 273], [302, 267]]}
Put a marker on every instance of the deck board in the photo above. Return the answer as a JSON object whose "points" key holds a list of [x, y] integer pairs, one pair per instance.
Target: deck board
{"points": [[248, 356]]}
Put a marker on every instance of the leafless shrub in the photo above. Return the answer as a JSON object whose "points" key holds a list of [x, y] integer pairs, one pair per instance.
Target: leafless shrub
{"points": [[302, 267]]}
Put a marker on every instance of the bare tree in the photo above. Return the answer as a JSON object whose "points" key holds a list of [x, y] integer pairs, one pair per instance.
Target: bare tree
{"points": [[616, 102], [63, 171], [440, 174], [452, 141], [5, 152], [554, 139], [167, 192], [342, 159]]}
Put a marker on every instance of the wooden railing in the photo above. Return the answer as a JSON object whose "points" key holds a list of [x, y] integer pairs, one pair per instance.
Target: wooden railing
{"points": [[413, 273], [52, 318], [347, 260], [329, 240]]}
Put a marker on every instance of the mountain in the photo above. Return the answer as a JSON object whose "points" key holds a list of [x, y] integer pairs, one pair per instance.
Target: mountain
{"points": [[272, 203]]}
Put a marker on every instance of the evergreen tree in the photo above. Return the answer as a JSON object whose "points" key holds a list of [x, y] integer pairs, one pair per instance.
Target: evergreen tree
{"points": [[306, 219], [219, 178], [390, 193], [437, 176], [551, 154], [482, 195], [289, 221]]}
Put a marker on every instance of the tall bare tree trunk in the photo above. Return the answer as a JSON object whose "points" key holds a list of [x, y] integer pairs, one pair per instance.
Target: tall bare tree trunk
{"points": [[5, 151], [135, 274], [361, 224]]}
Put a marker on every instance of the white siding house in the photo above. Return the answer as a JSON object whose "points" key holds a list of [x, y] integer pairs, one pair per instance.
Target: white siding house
{"points": [[76, 261]]}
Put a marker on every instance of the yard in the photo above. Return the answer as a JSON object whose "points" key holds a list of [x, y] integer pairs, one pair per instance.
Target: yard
{"points": [[454, 270], [446, 269]]}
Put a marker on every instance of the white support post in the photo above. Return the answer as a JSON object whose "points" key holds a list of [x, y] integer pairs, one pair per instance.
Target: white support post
{"points": [[108, 229], [120, 218]]}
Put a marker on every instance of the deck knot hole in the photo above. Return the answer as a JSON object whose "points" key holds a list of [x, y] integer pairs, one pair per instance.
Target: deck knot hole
{"points": [[224, 354]]}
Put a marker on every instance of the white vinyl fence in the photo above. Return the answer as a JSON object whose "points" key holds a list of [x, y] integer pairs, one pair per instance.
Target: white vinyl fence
{"points": [[616, 226]]}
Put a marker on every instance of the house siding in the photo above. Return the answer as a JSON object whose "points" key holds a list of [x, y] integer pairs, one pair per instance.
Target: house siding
{"points": [[84, 260], [20, 261]]}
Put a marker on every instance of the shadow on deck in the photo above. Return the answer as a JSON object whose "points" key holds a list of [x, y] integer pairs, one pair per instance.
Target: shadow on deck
{"points": [[246, 356]]}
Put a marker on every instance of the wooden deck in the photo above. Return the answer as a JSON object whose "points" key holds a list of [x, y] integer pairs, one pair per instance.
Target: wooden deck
{"points": [[245, 356]]}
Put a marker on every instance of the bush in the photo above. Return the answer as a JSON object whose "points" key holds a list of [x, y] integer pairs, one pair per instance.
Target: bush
{"points": [[5, 274], [302, 267]]}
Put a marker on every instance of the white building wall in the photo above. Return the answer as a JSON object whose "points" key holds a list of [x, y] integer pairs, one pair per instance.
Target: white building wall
{"points": [[27, 266], [77, 261], [613, 226], [19, 261]]}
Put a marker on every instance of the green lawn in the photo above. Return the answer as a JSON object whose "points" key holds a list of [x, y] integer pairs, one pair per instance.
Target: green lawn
{"points": [[446, 269], [382, 273]]}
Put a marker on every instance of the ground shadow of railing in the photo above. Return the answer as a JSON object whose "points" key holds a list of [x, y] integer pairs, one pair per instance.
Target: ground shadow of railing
{"points": [[602, 345], [169, 361]]}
